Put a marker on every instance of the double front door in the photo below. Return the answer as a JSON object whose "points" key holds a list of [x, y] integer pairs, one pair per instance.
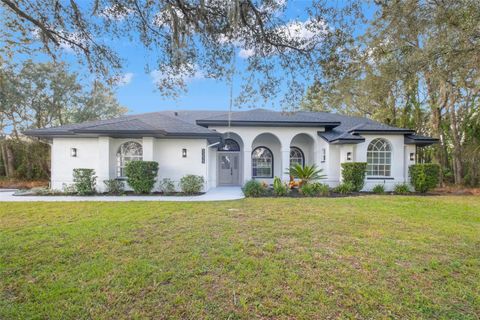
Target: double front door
{"points": [[229, 168]]}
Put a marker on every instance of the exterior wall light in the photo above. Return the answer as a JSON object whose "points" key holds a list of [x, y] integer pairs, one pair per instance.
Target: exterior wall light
{"points": [[412, 156], [349, 156], [184, 153], [73, 152]]}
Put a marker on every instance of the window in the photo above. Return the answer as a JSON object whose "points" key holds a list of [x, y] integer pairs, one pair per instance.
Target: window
{"points": [[379, 158], [262, 163], [296, 156], [129, 151], [230, 145]]}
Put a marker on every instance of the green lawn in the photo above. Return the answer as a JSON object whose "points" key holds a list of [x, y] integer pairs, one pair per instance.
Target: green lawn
{"points": [[361, 257]]}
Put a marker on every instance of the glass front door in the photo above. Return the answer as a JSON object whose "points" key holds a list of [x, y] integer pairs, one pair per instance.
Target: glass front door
{"points": [[228, 169]]}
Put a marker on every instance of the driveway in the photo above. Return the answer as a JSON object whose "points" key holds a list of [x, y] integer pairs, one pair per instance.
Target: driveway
{"points": [[215, 194]]}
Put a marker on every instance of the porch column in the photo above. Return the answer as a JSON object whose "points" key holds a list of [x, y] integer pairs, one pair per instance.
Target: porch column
{"points": [[247, 165], [285, 164], [147, 146], [104, 162]]}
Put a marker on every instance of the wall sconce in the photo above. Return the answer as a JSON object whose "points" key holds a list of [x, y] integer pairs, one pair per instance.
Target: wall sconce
{"points": [[349, 156], [412, 156], [73, 152], [184, 153]]}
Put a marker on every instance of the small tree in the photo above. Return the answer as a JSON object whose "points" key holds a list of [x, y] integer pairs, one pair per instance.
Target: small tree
{"points": [[141, 175], [354, 173], [424, 176], [84, 181], [305, 173]]}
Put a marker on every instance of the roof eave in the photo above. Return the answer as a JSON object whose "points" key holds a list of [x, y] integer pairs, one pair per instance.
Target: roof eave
{"points": [[420, 142], [206, 123], [347, 141], [383, 131]]}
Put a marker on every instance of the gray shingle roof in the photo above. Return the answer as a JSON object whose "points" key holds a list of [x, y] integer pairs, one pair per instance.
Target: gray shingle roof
{"points": [[195, 123]]}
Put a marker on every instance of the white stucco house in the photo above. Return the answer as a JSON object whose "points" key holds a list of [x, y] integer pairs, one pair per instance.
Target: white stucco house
{"points": [[231, 148]]}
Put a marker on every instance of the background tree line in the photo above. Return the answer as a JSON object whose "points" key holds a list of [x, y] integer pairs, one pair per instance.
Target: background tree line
{"points": [[416, 66], [38, 95]]}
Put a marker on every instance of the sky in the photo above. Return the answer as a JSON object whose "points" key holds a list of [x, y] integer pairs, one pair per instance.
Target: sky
{"points": [[139, 94], [137, 90]]}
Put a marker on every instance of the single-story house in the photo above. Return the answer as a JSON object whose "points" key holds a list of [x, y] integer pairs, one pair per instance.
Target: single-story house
{"points": [[229, 148]]}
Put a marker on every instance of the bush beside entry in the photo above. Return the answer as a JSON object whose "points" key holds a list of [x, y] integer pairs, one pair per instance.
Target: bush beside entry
{"points": [[424, 176], [280, 189], [114, 186], [191, 184], [353, 173], [84, 181], [254, 188], [141, 175]]}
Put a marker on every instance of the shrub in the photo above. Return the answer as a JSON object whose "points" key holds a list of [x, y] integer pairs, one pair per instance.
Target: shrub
{"points": [[379, 188], [280, 189], [191, 184], [354, 173], [314, 189], [401, 188], [141, 175], [66, 189], [167, 186], [424, 176], [344, 188], [254, 188], [322, 189], [84, 181], [114, 186], [307, 190]]}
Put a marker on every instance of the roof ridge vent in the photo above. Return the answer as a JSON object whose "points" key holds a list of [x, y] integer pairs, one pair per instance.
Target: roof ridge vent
{"points": [[175, 113]]}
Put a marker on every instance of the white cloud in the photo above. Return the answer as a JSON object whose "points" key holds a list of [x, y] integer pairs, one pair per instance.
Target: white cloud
{"points": [[63, 44], [117, 13], [184, 74], [246, 53], [304, 31], [124, 79]]}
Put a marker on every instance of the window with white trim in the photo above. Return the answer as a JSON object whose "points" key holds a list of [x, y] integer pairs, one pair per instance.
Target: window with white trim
{"points": [[379, 158], [128, 151], [296, 156], [262, 163]]}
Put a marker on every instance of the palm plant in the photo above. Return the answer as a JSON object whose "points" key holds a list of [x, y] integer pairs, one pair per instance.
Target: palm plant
{"points": [[305, 173]]}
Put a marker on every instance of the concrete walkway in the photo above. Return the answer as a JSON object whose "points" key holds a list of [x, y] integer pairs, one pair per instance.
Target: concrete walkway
{"points": [[215, 194]]}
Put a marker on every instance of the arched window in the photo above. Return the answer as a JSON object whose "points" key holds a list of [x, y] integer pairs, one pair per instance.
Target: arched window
{"points": [[262, 163], [379, 158], [230, 145], [128, 151], [296, 156]]}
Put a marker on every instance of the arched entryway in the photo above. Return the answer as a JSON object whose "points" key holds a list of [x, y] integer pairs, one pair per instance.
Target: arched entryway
{"points": [[266, 156], [230, 160], [302, 149]]}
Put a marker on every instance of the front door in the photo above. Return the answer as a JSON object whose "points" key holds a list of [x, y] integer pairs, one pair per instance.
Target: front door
{"points": [[228, 168]]}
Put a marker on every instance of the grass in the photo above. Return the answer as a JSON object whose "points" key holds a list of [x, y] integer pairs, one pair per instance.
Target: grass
{"points": [[363, 257]]}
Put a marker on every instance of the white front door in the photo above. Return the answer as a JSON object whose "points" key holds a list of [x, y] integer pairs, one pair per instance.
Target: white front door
{"points": [[228, 168]]}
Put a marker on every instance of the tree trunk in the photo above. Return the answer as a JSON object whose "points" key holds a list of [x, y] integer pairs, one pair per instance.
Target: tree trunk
{"points": [[4, 158], [8, 159], [457, 144]]}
